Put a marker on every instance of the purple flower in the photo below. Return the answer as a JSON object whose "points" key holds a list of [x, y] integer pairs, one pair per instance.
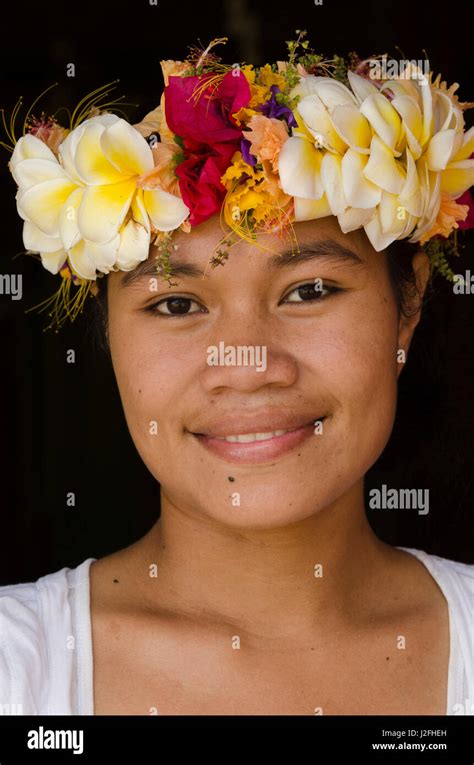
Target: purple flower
{"points": [[249, 158], [270, 108], [273, 109]]}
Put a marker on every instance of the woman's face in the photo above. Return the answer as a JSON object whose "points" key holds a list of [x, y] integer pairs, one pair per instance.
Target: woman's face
{"points": [[307, 339]]}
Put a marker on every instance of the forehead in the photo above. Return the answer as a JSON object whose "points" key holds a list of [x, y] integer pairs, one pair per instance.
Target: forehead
{"points": [[191, 253]]}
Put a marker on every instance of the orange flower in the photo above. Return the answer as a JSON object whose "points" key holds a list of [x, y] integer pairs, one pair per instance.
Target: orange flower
{"points": [[244, 115], [449, 212], [266, 135], [268, 77], [260, 88], [162, 175]]}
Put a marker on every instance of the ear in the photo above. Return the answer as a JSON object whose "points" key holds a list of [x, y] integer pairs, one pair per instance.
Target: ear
{"points": [[407, 324]]}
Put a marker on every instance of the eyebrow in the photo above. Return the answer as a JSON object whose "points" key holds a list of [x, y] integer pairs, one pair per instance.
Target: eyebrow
{"points": [[325, 249]]}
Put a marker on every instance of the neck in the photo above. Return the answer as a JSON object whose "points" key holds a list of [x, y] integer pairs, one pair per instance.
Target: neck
{"points": [[275, 581]]}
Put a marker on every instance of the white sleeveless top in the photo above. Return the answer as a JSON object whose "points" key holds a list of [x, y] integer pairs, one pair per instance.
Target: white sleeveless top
{"points": [[46, 663]]}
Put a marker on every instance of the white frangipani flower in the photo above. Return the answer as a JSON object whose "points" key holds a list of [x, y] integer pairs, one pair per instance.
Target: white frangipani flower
{"points": [[376, 157], [85, 206]]}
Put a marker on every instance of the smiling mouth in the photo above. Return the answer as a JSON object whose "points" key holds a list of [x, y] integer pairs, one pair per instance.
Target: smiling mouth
{"points": [[257, 446], [254, 435], [246, 438]]}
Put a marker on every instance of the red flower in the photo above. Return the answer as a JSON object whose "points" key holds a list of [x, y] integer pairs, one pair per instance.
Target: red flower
{"points": [[199, 180], [466, 199], [209, 134], [206, 119]]}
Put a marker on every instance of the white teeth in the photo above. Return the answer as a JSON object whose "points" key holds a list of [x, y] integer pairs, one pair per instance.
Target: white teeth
{"points": [[246, 438]]}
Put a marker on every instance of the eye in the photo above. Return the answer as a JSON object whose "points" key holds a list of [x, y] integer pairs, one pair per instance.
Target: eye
{"points": [[174, 306], [310, 292]]}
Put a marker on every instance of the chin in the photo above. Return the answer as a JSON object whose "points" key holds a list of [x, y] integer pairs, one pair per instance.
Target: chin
{"points": [[266, 503]]}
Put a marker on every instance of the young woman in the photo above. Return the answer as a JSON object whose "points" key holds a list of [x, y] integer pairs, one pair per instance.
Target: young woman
{"points": [[258, 394]]}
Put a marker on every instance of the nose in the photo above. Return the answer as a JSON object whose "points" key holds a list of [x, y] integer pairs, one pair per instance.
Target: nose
{"points": [[242, 364]]}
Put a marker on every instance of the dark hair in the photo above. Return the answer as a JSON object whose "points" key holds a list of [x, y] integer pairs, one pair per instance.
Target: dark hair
{"points": [[399, 258], [400, 268], [99, 318]]}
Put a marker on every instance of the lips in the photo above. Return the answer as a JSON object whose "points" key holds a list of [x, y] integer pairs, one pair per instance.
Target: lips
{"points": [[257, 440], [246, 422]]}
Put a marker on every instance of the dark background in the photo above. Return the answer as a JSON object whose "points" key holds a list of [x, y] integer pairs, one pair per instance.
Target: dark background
{"points": [[62, 426]]}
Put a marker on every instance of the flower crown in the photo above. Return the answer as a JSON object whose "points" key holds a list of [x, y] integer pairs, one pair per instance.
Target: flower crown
{"points": [[263, 147]]}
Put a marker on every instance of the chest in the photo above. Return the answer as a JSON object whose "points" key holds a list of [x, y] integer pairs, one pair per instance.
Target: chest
{"points": [[188, 671]]}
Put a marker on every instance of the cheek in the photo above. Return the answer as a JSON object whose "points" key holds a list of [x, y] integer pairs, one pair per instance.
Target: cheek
{"points": [[153, 376], [353, 357], [371, 371]]}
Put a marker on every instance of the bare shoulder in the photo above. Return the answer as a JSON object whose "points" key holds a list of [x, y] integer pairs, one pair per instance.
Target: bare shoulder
{"points": [[409, 580], [113, 579]]}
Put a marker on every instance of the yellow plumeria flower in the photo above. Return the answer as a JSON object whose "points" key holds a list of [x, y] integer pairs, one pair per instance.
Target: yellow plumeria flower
{"points": [[86, 206], [377, 158]]}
